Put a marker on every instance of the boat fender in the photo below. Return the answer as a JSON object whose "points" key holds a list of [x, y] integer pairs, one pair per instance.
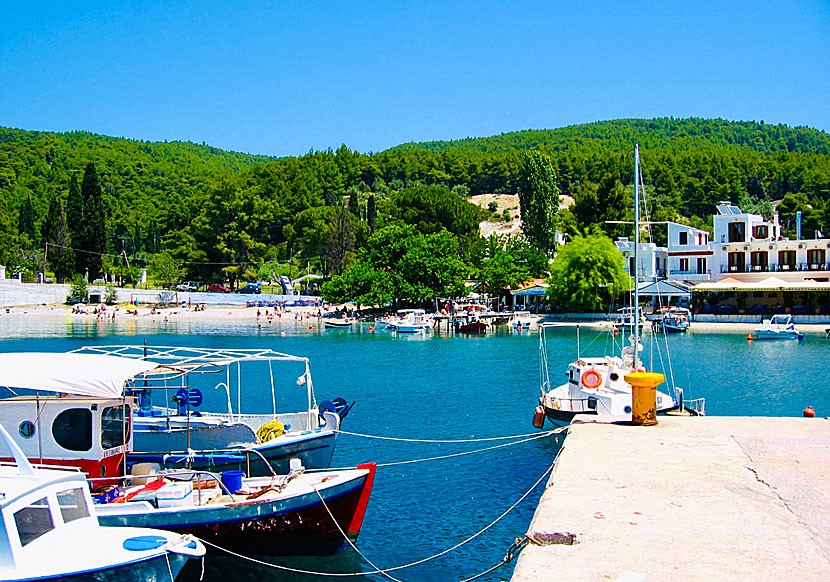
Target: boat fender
{"points": [[809, 412], [539, 417], [591, 378]]}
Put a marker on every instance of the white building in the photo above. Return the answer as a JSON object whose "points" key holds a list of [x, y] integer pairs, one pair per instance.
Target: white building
{"points": [[747, 247], [651, 259], [689, 253]]}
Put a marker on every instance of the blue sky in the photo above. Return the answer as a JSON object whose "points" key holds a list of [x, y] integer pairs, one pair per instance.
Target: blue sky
{"points": [[281, 78]]}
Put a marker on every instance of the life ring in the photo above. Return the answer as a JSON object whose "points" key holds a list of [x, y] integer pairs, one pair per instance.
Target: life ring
{"points": [[591, 378], [556, 404]]}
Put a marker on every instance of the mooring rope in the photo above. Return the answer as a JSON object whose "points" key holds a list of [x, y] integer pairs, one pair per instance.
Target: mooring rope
{"points": [[518, 545], [461, 454], [481, 440]]}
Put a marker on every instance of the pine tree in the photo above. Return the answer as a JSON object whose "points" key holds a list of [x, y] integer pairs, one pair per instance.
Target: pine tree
{"points": [[95, 222]]}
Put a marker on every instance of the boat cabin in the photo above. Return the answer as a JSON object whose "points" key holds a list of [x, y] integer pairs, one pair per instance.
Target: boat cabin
{"points": [[90, 433]]}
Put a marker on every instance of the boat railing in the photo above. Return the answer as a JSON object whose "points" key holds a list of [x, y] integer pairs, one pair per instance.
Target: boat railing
{"points": [[696, 407], [173, 475]]}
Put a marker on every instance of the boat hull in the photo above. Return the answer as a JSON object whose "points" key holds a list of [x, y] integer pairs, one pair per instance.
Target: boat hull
{"points": [[275, 526], [159, 567], [777, 335]]}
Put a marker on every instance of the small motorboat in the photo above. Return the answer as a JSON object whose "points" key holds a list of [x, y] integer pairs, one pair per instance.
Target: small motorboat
{"points": [[673, 320], [50, 531], [337, 323], [268, 515], [522, 320], [410, 321], [470, 327], [779, 326]]}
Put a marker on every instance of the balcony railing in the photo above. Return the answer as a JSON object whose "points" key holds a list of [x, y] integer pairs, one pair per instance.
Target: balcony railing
{"points": [[775, 268]]}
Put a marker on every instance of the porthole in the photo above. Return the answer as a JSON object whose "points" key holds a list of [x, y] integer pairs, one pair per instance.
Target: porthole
{"points": [[26, 429], [627, 410], [614, 376]]}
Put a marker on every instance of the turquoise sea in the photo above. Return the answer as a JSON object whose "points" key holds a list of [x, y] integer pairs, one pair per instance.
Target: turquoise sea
{"points": [[450, 387]]}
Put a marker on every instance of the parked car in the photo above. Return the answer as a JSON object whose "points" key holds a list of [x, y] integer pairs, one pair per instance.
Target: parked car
{"points": [[187, 286], [249, 290], [217, 288]]}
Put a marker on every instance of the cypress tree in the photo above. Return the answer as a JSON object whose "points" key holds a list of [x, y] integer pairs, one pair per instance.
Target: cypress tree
{"points": [[354, 207], [95, 222], [55, 233], [371, 213], [539, 200], [26, 220], [74, 225]]}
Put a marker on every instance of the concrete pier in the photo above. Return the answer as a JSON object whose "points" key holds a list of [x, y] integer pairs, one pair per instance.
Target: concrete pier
{"points": [[691, 499]]}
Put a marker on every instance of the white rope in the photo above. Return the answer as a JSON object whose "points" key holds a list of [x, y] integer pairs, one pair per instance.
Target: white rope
{"points": [[386, 438], [386, 571], [450, 456]]}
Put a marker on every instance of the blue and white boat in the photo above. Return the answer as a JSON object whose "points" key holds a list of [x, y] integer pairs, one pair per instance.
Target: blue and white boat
{"points": [[779, 326], [50, 532], [168, 435]]}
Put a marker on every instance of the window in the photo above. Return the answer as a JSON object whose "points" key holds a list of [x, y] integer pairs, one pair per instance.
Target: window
{"points": [[684, 265], [815, 258], [72, 505], [113, 431], [737, 232], [33, 521], [737, 261], [72, 429], [760, 231], [759, 260], [701, 266], [786, 260], [684, 238]]}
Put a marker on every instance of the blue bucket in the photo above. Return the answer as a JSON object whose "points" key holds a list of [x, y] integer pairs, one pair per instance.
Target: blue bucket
{"points": [[233, 480]]}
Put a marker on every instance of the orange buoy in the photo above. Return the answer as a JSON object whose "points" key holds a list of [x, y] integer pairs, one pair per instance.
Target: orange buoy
{"points": [[749, 337], [371, 328], [809, 412]]}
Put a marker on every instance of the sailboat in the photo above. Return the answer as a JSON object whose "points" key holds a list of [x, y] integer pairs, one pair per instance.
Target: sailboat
{"points": [[596, 385]]}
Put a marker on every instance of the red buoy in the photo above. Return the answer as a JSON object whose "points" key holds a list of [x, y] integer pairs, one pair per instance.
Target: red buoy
{"points": [[749, 337], [809, 412]]}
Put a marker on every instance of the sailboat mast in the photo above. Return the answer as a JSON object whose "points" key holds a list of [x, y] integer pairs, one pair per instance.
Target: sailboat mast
{"points": [[636, 314]]}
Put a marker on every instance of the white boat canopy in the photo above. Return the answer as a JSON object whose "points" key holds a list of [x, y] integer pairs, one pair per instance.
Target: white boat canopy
{"points": [[79, 374]]}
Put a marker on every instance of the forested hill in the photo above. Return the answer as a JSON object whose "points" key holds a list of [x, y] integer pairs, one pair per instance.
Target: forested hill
{"points": [[212, 207], [661, 133]]}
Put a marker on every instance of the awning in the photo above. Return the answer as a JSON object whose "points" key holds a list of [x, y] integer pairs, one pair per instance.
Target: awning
{"points": [[664, 289], [768, 284], [537, 290], [80, 374]]}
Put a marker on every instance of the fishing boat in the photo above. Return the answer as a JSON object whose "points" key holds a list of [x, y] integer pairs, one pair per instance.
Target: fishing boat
{"points": [[779, 326], [597, 385], [337, 323], [470, 326], [673, 320], [50, 531], [77, 404], [410, 321], [625, 319], [263, 515]]}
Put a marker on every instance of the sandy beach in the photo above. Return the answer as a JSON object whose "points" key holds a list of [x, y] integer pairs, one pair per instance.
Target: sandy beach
{"points": [[311, 314]]}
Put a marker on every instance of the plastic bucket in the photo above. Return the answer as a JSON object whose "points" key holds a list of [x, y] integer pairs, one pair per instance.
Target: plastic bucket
{"points": [[233, 480]]}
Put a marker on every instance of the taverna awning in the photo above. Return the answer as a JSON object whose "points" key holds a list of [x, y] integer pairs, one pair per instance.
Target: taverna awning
{"points": [[94, 375], [537, 288], [768, 284]]}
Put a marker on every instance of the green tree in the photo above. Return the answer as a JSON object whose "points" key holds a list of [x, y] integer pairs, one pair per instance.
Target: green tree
{"points": [[55, 233], [431, 208], [354, 205], [27, 222], [371, 213], [587, 274], [75, 224], [164, 267], [539, 200], [400, 264]]}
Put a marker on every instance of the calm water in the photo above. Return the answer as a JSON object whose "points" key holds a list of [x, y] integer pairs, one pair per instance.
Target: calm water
{"points": [[444, 387]]}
